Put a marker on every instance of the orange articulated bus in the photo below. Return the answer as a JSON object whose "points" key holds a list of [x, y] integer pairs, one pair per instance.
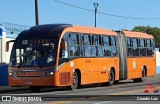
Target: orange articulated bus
{"points": [[66, 55]]}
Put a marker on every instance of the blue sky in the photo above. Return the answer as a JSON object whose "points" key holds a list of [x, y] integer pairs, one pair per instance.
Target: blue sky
{"points": [[22, 12]]}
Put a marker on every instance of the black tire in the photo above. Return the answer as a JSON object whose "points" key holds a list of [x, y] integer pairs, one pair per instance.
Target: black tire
{"points": [[34, 88], [142, 79], [136, 80], [75, 85], [116, 82], [111, 78], [143, 75]]}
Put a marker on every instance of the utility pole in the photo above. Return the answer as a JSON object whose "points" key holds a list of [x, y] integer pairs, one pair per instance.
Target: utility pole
{"points": [[36, 12], [95, 8]]}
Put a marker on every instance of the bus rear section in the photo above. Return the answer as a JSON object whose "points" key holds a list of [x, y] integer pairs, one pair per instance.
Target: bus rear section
{"points": [[140, 53]]}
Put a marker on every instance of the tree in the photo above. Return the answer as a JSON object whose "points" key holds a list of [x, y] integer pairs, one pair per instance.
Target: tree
{"points": [[155, 31]]}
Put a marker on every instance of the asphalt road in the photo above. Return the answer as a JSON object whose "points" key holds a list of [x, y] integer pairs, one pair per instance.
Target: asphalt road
{"points": [[124, 92]]}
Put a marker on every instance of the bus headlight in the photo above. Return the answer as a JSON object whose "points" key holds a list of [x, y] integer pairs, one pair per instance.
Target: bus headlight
{"points": [[51, 73], [10, 73]]}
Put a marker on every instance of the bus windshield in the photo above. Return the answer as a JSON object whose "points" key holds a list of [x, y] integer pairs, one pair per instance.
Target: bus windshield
{"points": [[34, 52]]}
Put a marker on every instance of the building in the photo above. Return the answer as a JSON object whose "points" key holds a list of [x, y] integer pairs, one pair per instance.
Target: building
{"points": [[4, 37], [4, 56]]}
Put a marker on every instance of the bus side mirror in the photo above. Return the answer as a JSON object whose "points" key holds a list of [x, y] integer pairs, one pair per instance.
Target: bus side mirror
{"points": [[63, 45], [7, 46]]}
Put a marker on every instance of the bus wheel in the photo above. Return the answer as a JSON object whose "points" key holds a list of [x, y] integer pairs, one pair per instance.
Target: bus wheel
{"points": [[34, 88], [111, 78], [143, 75], [74, 85], [116, 82]]}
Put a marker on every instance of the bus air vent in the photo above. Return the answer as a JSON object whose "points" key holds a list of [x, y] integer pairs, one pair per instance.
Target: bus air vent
{"points": [[65, 78]]}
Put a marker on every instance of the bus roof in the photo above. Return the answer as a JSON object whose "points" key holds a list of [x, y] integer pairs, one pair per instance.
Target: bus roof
{"points": [[49, 27], [137, 34], [54, 29], [89, 30]]}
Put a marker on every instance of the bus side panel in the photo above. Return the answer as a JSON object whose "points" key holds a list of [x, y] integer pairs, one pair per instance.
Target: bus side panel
{"points": [[98, 69], [149, 63], [93, 70], [153, 72], [135, 66], [151, 66], [64, 74], [130, 68], [138, 62], [96, 72]]}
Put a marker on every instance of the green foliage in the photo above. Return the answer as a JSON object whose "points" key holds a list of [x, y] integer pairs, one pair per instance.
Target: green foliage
{"points": [[155, 31]]}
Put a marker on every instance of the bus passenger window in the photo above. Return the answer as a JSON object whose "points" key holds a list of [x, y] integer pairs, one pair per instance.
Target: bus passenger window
{"points": [[141, 42], [74, 39], [86, 40], [100, 51], [100, 40], [94, 51], [130, 51], [77, 51], [95, 40], [64, 43], [135, 47], [105, 40], [66, 37], [114, 48], [95, 43], [142, 47], [86, 45], [129, 41], [99, 48], [149, 48], [107, 46], [87, 51], [153, 46], [74, 47], [72, 51], [114, 51], [129, 47], [107, 51], [110, 41], [113, 39]]}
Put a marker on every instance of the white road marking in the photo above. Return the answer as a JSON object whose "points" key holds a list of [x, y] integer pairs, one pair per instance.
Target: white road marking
{"points": [[104, 102]]}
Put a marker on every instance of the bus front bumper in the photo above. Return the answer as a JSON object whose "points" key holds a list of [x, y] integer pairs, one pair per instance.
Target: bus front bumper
{"points": [[32, 81]]}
